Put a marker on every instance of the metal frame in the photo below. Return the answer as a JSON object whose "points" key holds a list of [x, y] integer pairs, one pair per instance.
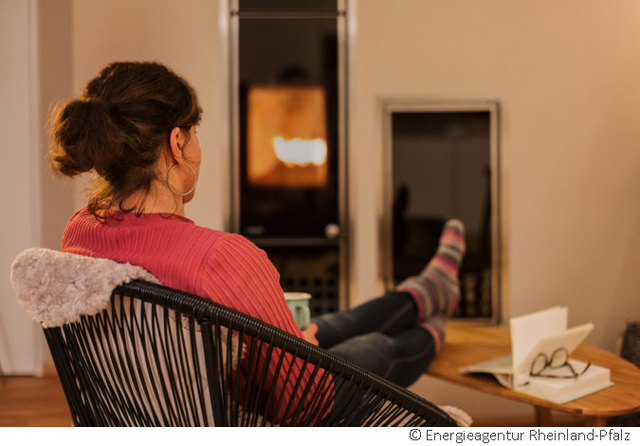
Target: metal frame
{"points": [[166, 387], [386, 240], [234, 102], [343, 205], [234, 113]]}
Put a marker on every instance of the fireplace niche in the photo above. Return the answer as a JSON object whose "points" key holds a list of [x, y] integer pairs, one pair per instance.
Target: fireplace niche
{"points": [[442, 162], [288, 103]]}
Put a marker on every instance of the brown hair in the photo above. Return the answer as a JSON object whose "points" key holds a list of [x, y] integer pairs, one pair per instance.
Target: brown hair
{"points": [[118, 127]]}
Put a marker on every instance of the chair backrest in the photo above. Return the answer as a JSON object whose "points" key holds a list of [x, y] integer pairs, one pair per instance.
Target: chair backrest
{"points": [[161, 357]]}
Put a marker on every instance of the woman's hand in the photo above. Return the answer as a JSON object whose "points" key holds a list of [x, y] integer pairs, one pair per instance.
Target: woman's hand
{"points": [[309, 334]]}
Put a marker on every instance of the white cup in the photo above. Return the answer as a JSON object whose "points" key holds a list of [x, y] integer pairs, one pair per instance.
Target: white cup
{"points": [[298, 303]]}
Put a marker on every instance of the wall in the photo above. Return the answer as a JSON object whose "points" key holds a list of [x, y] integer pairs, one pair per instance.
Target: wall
{"points": [[566, 74], [55, 52], [567, 84], [189, 37], [20, 338]]}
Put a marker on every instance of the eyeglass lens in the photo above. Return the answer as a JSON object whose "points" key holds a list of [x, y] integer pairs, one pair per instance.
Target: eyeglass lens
{"points": [[559, 358]]}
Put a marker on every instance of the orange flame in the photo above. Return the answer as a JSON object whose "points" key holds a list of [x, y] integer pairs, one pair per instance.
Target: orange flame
{"points": [[300, 152]]}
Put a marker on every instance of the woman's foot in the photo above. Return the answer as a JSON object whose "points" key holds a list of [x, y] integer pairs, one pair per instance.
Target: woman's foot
{"points": [[437, 288]]}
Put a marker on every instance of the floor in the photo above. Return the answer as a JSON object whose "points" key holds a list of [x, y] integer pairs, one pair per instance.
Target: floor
{"points": [[30, 402]]}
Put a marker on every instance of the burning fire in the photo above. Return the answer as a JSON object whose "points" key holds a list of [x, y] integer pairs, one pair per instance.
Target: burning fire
{"points": [[300, 152], [287, 143]]}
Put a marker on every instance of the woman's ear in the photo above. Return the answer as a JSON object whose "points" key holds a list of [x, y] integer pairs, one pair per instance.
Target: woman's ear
{"points": [[176, 144]]}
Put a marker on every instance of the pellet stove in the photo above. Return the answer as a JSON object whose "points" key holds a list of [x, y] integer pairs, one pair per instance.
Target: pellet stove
{"points": [[289, 145]]}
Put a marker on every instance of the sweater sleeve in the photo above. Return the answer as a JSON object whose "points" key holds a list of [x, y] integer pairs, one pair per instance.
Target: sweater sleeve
{"points": [[241, 276]]}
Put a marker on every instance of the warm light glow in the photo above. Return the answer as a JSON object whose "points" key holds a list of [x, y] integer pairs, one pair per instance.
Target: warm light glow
{"points": [[287, 143], [300, 152]]}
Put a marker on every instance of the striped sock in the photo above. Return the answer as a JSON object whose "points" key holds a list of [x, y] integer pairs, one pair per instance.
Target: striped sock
{"points": [[436, 326], [437, 288]]}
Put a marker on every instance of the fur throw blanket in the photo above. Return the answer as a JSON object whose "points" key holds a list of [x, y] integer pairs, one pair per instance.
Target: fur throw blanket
{"points": [[56, 288]]}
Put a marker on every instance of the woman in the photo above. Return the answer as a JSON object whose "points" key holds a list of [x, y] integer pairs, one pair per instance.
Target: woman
{"points": [[135, 126]]}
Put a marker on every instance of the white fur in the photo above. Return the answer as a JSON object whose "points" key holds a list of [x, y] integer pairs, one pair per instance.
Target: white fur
{"points": [[462, 418], [56, 288]]}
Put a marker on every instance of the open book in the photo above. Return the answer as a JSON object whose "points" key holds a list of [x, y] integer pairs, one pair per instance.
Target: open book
{"points": [[544, 332]]}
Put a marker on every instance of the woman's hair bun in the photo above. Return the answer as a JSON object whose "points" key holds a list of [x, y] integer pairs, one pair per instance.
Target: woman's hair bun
{"points": [[120, 126], [84, 138]]}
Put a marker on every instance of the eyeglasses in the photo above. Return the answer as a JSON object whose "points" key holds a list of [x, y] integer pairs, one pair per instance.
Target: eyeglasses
{"points": [[559, 359]]}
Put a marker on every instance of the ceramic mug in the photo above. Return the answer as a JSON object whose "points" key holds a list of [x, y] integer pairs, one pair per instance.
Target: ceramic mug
{"points": [[298, 303]]}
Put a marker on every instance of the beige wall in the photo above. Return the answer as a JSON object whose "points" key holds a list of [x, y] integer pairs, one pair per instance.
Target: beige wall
{"points": [[189, 37], [55, 50], [567, 75], [20, 338]]}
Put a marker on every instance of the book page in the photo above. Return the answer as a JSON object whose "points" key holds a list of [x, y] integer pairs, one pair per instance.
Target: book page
{"points": [[527, 330], [563, 390], [501, 365], [568, 339]]}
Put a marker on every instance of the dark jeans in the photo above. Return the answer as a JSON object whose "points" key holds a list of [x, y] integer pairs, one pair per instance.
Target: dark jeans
{"points": [[380, 336]]}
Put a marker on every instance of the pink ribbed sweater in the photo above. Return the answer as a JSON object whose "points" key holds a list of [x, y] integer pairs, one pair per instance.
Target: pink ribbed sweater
{"points": [[226, 268]]}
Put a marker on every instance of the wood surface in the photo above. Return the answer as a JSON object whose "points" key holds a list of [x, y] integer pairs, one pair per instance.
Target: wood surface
{"points": [[467, 344], [28, 401]]}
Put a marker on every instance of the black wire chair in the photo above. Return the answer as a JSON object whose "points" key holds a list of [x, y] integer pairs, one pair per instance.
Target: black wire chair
{"points": [[161, 357]]}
